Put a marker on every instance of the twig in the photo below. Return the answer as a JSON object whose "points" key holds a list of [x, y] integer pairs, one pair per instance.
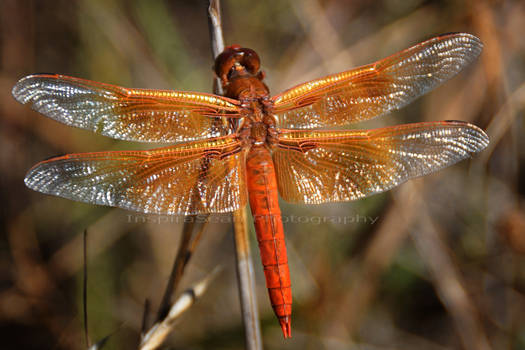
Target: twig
{"points": [[243, 258], [216, 38], [160, 331], [176, 270], [169, 311], [246, 278], [186, 249], [145, 316], [101, 343]]}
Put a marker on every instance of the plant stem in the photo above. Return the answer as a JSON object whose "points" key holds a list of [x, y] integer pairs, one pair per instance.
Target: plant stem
{"points": [[243, 258]]}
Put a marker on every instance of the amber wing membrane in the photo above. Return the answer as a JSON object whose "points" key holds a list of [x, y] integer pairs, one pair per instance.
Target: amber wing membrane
{"points": [[329, 166], [194, 178], [375, 89], [127, 114]]}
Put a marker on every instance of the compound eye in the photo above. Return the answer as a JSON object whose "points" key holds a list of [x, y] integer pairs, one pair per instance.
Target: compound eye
{"points": [[225, 61], [223, 65], [250, 60]]}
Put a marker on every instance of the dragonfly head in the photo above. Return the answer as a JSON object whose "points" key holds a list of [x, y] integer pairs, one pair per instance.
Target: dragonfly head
{"points": [[236, 61]]}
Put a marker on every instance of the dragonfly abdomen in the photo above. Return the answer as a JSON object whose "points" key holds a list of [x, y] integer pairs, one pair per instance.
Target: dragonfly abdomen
{"points": [[263, 195]]}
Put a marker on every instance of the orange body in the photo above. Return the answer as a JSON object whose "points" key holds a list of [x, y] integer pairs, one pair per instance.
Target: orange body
{"points": [[263, 196], [238, 69]]}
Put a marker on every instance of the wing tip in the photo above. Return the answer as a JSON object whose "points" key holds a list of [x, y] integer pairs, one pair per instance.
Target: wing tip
{"points": [[474, 133], [471, 45], [449, 35], [30, 180], [476, 45], [483, 138], [39, 176], [19, 90]]}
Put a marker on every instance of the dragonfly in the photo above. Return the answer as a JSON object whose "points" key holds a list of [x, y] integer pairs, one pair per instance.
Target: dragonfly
{"points": [[249, 147]]}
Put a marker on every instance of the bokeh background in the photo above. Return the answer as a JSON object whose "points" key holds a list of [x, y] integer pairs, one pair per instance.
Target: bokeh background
{"points": [[437, 263]]}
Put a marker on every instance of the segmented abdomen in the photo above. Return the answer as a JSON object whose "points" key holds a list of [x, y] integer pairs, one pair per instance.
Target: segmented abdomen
{"points": [[262, 187]]}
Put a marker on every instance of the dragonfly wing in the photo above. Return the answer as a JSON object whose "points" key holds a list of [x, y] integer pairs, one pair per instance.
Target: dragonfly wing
{"points": [[331, 166], [375, 89], [127, 114], [193, 178]]}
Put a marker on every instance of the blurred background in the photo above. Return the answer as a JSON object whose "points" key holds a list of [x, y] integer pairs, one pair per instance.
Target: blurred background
{"points": [[437, 263]]}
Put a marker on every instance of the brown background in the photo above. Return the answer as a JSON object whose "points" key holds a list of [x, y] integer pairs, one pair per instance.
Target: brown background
{"points": [[441, 268]]}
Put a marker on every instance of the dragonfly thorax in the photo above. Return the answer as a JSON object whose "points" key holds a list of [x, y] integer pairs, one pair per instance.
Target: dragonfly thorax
{"points": [[258, 133], [259, 125]]}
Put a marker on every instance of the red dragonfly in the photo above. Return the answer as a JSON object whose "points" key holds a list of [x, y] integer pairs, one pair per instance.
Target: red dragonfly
{"points": [[248, 146]]}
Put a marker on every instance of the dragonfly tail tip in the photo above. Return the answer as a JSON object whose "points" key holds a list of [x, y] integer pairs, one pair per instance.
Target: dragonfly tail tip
{"points": [[286, 326]]}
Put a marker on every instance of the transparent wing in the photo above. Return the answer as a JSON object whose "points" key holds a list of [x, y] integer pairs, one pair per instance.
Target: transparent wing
{"points": [[375, 89], [330, 166], [194, 178], [126, 114]]}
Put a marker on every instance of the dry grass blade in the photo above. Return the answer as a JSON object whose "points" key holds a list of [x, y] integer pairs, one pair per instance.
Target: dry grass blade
{"points": [[99, 344], [388, 239], [448, 284], [84, 291], [160, 330], [503, 120]]}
